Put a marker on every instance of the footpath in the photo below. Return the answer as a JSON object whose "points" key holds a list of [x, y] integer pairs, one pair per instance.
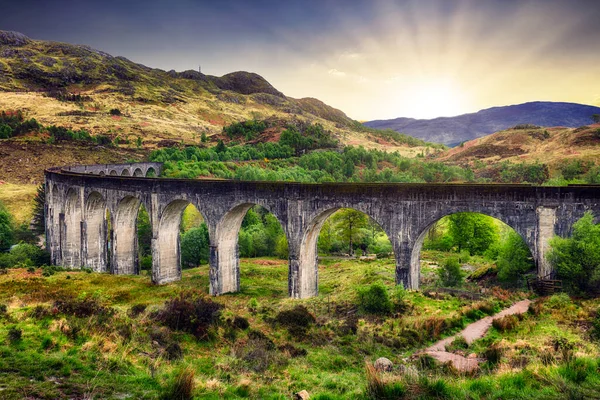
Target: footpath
{"points": [[472, 332]]}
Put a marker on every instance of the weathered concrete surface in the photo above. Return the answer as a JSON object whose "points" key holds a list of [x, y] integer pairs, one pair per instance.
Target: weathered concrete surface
{"points": [[77, 226]]}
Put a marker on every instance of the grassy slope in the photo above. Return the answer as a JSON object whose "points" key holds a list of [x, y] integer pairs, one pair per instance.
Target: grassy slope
{"points": [[156, 105], [18, 199], [24, 159], [52, 362], [552, 146]]}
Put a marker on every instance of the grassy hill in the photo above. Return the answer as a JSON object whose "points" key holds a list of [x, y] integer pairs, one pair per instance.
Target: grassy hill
{"points": [[556, 147], [77, 86]]}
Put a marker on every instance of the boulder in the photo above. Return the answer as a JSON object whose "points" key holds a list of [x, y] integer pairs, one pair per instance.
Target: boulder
{"points": [[383, 364], [302, 395]]}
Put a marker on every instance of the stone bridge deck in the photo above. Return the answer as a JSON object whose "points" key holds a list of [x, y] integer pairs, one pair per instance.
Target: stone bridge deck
{"points": [[87, 205]]}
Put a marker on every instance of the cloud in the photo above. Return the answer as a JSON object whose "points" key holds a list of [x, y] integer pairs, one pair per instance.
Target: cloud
{"points": [[337, 73]]}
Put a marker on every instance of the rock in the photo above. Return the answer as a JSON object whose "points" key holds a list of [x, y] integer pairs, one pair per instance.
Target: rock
{"points": [[472, 355], [302, 395], [383, 364]]}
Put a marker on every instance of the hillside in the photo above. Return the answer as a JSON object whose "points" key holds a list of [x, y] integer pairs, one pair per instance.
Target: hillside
{"points": [[76, 86], [454, 130], [555, 147]]}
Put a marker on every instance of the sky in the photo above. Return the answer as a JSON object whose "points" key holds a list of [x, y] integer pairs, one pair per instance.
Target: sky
{"points": [[373, 59]]}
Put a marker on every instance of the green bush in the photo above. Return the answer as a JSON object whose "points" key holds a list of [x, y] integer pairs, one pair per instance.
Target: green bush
{"points": [[297, 320], [14, 334], [6, 228], [374, 299], [472, 232], [450, 273], [514, 258], [146, 263], [29, 254], [190, 312], [195, 247], [577, 259], [180, 386]]}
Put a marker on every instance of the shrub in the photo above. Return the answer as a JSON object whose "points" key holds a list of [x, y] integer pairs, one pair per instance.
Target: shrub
{"points": [[181, 386], [195, 247], [103, 140], [14, 334], [577, 259], [595, 331], [240, 323], [258, 353], [564, 346], [190, 312], [253, 305], [115, 111], [374, 299], [559, 301], [379, 389], [86, 306], [506, 323], [39, 312], [30, 254], [146, 263], [49, 270], [425, 362], [459, 343], [6, 228], [136, 310], [514, 258], [170, 348], [450, 272], [400, 299], [297, 320], [292, 351], [493, 354], [47, 343], [578, 370]]}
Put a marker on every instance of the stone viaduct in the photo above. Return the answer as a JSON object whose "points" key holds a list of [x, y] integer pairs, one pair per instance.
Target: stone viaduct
{"points": [[87, 205]]}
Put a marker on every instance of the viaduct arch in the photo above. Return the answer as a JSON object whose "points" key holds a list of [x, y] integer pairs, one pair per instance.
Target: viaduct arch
{"points": [[83, 201]]}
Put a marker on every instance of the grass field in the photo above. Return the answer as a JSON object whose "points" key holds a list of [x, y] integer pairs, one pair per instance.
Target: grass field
{"points": [[18, 199], [87, 335]]}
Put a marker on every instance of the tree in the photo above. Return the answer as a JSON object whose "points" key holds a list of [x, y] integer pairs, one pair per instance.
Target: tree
{"points": [[38, 224], [6, 228], [450, 272], [195, 247], [144, 232], [514, 258], [349, 223], [220, 148], [472, 232], [577, 259]]}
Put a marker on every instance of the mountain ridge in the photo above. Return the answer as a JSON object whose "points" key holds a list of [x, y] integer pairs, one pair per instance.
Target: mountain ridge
{"points": [[461, 128]]}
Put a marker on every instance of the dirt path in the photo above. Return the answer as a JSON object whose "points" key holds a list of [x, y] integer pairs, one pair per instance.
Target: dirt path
{"points": [[472, 332]]}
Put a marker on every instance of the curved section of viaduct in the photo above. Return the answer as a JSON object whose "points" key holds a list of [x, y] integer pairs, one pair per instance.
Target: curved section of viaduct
{"points": [[87, 204]]}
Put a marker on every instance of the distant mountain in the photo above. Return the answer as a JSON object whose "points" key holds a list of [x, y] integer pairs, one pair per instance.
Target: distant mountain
{"points": [[454, 130]]}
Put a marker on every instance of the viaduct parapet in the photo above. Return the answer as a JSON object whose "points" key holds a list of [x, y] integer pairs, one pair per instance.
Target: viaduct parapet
{"points": [[88, 207]]}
